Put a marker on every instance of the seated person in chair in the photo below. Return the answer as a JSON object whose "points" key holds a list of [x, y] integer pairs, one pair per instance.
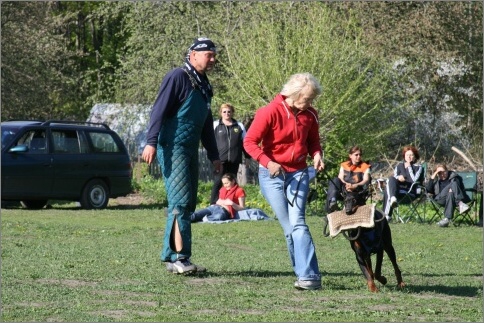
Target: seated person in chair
{"points": [[405, 174], [231, 199], [447, 190], [353, 175]]}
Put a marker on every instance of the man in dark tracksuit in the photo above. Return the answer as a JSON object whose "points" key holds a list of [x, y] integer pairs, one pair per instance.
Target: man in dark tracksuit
{"points": [[448, 190], [180, 118]]}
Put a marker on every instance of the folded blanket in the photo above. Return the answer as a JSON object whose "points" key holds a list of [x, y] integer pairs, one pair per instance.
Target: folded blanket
{"points": [[243, 215], [339, 221]]}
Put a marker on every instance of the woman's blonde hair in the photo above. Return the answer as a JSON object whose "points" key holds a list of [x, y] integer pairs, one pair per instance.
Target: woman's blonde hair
{"points": [[227, 106], [301, 82]]}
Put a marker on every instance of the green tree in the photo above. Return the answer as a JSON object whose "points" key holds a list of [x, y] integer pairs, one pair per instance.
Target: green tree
{"points": [[32, 60], [441, 46], [159, 36], [93, 39], [272, 43], [393, 72]]}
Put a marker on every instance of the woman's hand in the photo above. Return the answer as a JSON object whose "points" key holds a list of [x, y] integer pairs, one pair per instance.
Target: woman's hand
{"points": [[318, 162], [274, 169], [226, 202]]}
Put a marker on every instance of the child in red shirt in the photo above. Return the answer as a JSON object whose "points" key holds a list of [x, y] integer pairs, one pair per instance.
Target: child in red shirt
{"points": [[231, 199]]}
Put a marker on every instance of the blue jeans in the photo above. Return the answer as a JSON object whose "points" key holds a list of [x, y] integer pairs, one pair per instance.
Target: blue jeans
{"points": [[299, 242], [213, 213]]}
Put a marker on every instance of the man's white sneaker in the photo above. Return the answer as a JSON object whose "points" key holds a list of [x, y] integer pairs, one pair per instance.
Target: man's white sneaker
{"points": [[444, 222], [393, 202], [171, 268], [183, 266]]}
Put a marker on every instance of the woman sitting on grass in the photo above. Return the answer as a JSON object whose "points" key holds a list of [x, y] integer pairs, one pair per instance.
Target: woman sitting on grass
{"points": [[231, 199]]}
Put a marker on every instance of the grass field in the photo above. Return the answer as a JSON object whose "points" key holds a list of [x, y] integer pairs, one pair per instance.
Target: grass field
{"points": [[65, 264]]}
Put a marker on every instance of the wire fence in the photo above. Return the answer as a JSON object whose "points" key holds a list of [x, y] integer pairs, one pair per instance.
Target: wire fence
{"points": [[247, 173]]}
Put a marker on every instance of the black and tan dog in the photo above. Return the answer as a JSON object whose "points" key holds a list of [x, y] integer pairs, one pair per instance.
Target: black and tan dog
{"points": [[368, 241]]}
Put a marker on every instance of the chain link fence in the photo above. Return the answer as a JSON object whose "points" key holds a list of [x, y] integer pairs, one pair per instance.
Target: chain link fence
{"points": [[247, 174]]}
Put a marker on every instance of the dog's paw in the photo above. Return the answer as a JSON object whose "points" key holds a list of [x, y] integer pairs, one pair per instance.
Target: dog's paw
{"points": [[372, 287], [401, 285], [382, 280]]}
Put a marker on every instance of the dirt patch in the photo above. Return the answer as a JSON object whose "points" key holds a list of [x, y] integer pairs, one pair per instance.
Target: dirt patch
{"points": [[67, 282], [121, 314], [130, 199]]}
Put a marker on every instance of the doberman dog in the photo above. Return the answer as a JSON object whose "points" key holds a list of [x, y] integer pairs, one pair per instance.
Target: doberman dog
{"points": [[367, 241]]}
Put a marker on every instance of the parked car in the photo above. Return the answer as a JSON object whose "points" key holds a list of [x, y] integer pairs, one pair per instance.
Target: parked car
{"points": [[63, 160]]}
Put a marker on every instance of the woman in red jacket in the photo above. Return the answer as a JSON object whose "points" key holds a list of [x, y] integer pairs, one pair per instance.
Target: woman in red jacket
{"points": [[280, 138]]}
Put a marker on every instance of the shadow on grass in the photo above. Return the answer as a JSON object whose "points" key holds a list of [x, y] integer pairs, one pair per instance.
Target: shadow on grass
{"points": [[59, 205], [267, 273], [462, 291], [137, 207], [246, 273]]}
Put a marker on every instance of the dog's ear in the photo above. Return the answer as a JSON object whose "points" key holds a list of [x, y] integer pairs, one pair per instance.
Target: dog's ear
{"points": [[355, 208], [352, 210]]}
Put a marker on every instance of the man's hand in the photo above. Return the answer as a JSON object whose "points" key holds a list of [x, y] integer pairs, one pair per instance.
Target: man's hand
{"points": [[217, 165], [437, 172], [350, 187], [149, 154]]}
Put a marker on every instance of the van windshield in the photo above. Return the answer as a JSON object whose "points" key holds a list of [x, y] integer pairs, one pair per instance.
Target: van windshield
{"points": [[7, 135]]}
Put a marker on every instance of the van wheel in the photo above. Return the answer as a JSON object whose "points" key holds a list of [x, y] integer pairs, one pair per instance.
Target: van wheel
{"points": [[33, 204], [95, 195]]}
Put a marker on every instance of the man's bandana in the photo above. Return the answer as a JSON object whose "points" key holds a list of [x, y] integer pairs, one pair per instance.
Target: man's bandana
{"points": [[202, 44]]}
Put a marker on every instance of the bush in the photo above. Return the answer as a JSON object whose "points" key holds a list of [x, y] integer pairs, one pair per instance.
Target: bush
{"points": [[153, 189]]}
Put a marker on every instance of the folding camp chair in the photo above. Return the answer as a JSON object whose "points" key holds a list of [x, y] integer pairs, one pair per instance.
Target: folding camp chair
{"points": [[413, 201], [469, 179]]}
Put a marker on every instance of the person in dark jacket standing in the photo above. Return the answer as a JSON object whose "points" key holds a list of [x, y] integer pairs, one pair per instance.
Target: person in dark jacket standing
{"points": [[180, 118], [229, 134], [447, 189]]}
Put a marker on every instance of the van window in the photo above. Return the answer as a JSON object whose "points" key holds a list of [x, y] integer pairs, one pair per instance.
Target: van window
{"points": [[103, 142], [35, 140], [68, 142]]}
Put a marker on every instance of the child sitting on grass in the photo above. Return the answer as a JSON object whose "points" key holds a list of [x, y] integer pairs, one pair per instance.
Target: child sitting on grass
{"points": [[231, 199]]}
